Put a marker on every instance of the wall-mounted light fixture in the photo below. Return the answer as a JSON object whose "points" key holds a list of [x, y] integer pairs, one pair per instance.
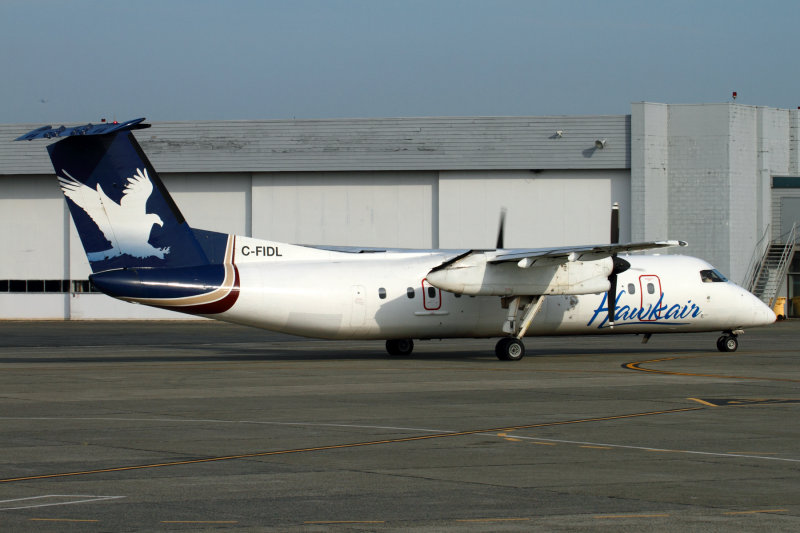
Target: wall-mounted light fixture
{"points": [[600, 144]]}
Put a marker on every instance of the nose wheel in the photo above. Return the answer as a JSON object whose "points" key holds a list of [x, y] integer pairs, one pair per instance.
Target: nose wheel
{"points": [[727, 343], [509, 349]]}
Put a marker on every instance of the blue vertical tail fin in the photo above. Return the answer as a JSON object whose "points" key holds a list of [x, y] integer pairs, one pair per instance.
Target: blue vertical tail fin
{"points": [[124, 215]]}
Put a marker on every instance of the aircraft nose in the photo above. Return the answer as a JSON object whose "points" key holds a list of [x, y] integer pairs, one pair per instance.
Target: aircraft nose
{"points": [[762, 314], [768, 315]]}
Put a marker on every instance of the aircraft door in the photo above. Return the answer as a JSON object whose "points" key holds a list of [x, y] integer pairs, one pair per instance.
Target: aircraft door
{"points": [[650, 289], [431, 297]]}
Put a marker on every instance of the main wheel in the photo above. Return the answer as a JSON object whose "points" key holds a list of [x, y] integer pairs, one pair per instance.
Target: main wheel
{"points": [[509, 349], [731, 343], [721, 343], [727, 343], [400, 346]]}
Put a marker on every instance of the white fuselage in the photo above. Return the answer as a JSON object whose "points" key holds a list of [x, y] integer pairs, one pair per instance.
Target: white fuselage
{"points": [[384, 295]]}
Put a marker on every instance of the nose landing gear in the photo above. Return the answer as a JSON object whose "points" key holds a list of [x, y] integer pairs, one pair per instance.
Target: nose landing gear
{"points": [[728, 342]]}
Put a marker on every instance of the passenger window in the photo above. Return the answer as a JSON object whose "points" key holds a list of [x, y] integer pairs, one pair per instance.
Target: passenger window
{"points": [[651, 289], [410, 292], [431, 292], [382, 293], [631, 288]]}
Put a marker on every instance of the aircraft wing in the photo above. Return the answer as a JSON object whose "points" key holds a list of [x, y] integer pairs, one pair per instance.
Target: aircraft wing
{"points": [[539, 271], [573, 253], [375, 250]]}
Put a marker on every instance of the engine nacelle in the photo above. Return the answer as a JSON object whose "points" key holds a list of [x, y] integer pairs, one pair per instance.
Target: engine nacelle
{"points": [[474, 276]]}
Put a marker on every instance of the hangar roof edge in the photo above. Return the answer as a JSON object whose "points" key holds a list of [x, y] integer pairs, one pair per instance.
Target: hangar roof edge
{"points": [[376, 144]]}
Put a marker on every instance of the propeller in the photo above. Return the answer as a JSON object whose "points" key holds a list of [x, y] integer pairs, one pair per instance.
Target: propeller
{"points": [[620, 266], [615, 223], [501, 231]]}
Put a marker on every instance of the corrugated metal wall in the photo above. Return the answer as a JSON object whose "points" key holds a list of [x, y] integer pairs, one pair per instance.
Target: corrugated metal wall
{"points": [[449, 143]]}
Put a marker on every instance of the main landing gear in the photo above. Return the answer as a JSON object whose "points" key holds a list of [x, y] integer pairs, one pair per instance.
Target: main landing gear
{"points": [[728, 342], [400, 347], [511, 348]]}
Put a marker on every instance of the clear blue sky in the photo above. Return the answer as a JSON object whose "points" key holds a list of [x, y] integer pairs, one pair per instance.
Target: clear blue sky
{"points": [[80, 60]]}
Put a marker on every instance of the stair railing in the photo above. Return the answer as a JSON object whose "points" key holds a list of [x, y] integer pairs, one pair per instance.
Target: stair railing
{"points": [[786, 258], [756, 261]]}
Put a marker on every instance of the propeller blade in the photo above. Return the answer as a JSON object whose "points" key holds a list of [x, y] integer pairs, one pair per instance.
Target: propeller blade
{"points": [[615, 223], [501, 231], [612, 299], [620, 266]]}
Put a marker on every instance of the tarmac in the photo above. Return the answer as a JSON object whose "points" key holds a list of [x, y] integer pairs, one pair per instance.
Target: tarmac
{"points": [[202, 426]]}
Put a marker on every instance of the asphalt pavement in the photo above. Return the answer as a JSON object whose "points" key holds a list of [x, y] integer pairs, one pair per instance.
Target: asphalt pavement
{"points": [[202, 426]]}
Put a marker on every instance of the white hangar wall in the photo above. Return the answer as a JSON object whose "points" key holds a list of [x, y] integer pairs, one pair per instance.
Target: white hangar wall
{"points": [[545, 208], [700, 173], [34, 242], [33, 239], [446, 209], [395, 209], [449, 209]]}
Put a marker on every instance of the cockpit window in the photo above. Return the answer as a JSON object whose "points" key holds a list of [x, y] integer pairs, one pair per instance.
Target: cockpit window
{"points": [[712, 276]]}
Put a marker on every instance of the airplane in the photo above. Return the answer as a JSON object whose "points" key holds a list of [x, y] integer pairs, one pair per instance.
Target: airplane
{"points": [[142, 250]]}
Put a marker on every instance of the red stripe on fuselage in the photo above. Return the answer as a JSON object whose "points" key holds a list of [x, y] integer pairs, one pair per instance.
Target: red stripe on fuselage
{"points": [[212, 308]]}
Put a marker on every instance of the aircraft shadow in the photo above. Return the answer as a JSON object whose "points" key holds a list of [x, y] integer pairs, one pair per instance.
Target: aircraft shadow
{"points": [[289, 353]]}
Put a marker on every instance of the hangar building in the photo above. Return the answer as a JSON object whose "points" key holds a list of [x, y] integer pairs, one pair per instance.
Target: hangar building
{"points": [[724, 177]]}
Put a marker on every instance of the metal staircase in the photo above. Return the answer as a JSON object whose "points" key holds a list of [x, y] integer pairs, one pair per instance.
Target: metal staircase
{"points": [[768, 274]]}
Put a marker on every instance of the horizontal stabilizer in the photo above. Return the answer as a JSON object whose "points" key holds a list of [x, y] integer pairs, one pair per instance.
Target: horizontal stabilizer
{"points": [[49, 132]]}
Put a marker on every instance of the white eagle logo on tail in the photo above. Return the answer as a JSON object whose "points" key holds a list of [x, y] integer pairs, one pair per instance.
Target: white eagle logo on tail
{"points": [[126, 225]]}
